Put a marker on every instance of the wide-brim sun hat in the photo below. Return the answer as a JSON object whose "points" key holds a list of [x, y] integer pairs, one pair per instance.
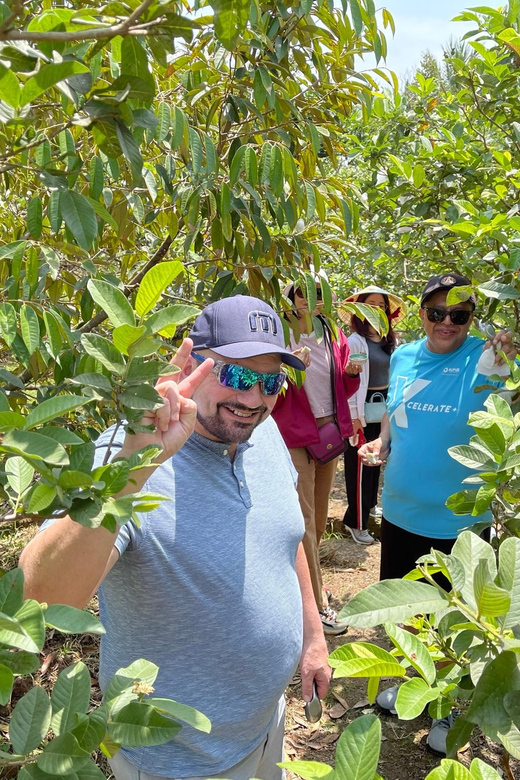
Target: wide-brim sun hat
{"points": [[396, 305]]}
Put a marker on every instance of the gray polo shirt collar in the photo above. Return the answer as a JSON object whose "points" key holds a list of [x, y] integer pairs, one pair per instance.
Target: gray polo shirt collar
{"points": [[218, 447]]}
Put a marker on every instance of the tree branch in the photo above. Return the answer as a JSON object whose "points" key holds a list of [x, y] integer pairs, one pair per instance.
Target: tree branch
{"points": [[127, 27]]}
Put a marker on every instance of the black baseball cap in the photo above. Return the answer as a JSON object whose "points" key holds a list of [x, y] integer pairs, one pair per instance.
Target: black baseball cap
{"points": [[446, 281], [242, 327]]}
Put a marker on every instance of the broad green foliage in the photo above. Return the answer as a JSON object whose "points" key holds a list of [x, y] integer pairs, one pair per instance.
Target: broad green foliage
{"points": [[472, 629], [129, 716], [153, 161], [493, 453], [356, 757], [154, 156], [438, 164]]}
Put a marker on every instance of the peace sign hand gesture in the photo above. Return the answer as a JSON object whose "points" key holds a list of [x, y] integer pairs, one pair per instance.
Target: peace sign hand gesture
{"points": [[175, 420]]}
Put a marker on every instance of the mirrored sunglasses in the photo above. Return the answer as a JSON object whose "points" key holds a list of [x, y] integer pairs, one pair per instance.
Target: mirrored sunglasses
{"points": [[457, 316], [241, 378]]}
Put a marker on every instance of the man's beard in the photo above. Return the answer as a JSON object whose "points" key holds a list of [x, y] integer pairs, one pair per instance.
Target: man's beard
{"points": [[231, 432]]}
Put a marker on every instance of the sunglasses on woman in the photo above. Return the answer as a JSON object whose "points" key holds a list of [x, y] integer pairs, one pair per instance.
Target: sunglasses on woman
{"points": [[241, 378], [457, 316]]}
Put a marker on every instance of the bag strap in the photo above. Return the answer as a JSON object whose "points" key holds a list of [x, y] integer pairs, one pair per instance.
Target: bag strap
{"points": [[328, 346]]}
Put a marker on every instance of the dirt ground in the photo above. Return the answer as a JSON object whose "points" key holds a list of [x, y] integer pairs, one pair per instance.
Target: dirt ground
{"points": [[347, 568]]}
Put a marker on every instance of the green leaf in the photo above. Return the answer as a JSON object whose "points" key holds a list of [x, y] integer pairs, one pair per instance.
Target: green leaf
{"points": [[30, 721], [14, 635], [131, 152], [391, 601], [34, 445], [484, 498], [449, 770], [182, 712], [482, 771], [462, 503], [120, 688], [103, 213], [167, 320], [237, 164], [53, 408], [70, 620], [126, 335], [357, 19], [62, 756], [30, 618], [504, 292], [48, 76], [6, 684], [34, 217], [54, 337], [113, 301], [138, 724], [471, 457], [414, 651], [225, 212], [40, 497], [309, 770], [357, 751], [30, 327], [500, 676], [230, 21], [493, 601], [509, 577], [362, 659], [11, 592], [8, 322], [154, 283], [70, 694], [141, 397], [20, 662], [10, 420], [9, 87], [79, 217], [412, 698], [101, 349], [19, 474], [164, 116], [469, 549]]}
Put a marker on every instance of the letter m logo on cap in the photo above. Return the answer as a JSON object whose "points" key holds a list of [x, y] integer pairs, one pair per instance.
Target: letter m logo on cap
{"points": [[262, 321]]}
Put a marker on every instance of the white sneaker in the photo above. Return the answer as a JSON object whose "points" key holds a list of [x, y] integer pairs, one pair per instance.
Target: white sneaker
{"points": [[376, 511], [331, 625], [361, 536]]}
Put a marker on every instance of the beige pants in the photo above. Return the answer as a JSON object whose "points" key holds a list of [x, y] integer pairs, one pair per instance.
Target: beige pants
{"points": [[314, 485]]}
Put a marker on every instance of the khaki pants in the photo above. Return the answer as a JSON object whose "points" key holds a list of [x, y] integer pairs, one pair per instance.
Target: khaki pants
{"points": [[314, 485]]}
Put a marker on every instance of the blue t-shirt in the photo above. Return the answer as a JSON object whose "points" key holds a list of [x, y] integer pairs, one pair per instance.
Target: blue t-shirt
{"points": [[207, 590], [429, 399]]}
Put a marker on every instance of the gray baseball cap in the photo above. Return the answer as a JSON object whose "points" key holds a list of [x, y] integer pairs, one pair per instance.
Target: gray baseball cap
{"points": [[242, 327]]}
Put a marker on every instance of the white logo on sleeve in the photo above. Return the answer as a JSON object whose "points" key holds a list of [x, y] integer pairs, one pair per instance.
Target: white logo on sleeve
{"points": [[399, 414]]}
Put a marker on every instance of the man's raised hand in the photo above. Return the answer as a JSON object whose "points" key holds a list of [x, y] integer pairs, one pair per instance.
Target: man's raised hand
{"points": [[175, 420]]}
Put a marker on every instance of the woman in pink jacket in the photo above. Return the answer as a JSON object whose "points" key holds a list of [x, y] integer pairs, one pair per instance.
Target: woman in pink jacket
{"points": [[329, 381]]}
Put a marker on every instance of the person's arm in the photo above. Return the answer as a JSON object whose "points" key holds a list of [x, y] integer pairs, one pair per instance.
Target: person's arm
{"points": [[66, 562], [373, 453], [314, 657]]}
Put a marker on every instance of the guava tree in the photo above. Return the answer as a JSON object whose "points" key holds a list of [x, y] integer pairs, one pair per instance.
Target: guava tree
{"points": [[437, 166], [153, 155]]}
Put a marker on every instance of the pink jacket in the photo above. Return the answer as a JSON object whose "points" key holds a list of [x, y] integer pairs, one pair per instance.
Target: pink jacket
{"points": [[293, 412]]}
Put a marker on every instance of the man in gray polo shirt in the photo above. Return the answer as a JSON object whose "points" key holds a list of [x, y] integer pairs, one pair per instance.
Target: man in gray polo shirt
{"points": [[214, 586]]}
